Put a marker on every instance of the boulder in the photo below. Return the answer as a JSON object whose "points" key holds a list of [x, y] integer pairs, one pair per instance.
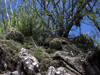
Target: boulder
{"points": [[55, 44], [74, 63], [91, 63], [15, 35], [58, 71], [87, 64], [30, 63]]}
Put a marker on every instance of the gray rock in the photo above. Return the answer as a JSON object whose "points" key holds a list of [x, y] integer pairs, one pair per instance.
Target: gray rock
{"points": [[58, 71], [87, 65], [11, 73], [73, 62], [30, 63], [15, 73], [91, 63]]}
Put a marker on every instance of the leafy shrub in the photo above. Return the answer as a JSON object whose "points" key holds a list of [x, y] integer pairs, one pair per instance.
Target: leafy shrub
{"points": [[15, 35], [47, 41], [84, 39], [55, 44]]}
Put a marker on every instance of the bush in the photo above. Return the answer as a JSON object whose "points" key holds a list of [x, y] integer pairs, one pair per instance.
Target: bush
{"points": [[84, 39], [15, 35], [47, 41], [55, 44], [40, 41]]}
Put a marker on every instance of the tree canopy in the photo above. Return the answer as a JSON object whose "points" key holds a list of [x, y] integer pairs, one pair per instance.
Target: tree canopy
{"points": [[48, 16]]}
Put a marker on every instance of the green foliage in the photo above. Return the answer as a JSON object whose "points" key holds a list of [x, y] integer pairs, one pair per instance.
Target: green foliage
{"points": [[49, 51], [47, 41], [39, 49], [35, 18]]}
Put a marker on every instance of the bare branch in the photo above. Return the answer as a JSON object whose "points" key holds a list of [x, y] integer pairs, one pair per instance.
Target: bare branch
{"points": [[40, 3], [57, 3], [95, 22]]}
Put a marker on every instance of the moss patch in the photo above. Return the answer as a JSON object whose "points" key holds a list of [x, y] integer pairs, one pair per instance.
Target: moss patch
{"points": [[15, 35], [55, 44], [9, 51]]}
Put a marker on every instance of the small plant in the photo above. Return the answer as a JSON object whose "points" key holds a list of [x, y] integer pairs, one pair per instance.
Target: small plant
{"points": [[5, 67], [39, 49]]}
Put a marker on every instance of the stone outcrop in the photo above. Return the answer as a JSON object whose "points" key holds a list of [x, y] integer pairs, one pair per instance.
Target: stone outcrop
{"points": [[58, 71], [87, 65], [73, 63], [91, 63], [73, 59], [30, 63], [11, 73]]}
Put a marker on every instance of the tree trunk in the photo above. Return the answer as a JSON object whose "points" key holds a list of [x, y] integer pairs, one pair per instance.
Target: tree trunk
{"points": [[68, 28]]}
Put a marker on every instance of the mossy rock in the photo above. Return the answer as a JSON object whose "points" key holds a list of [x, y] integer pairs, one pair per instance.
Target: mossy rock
{"points": [[84, 39], [9, 51], [15, 35], [55, 44]]}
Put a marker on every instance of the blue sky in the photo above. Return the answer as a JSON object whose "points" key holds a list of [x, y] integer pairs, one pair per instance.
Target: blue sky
{"points": [[84, 29]]}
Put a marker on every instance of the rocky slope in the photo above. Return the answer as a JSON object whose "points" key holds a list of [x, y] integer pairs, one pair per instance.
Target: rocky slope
{"points": [[71, 58]]}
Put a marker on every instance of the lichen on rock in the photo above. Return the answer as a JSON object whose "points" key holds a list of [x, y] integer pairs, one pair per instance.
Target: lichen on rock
{"points": [[29, 62]]}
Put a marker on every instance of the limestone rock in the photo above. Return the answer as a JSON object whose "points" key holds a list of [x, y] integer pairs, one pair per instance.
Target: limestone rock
{"points": [[58, 71], [80, 65], [30, 63], [91, 63], [74, 62], [11, 73], [15, 73]]}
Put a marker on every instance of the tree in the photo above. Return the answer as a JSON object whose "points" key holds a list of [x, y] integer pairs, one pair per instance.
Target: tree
{"points": [[50, 16], [61, 15]]}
